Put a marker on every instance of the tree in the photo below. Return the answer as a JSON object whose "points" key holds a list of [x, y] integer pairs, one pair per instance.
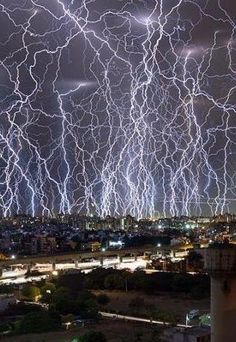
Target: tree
{"points": [[5, 328], [114, 281], [31, 292], [47, 291], [88, 308], [95, 279], [37, 322], [67, 318], [85, 295], [22, 308], [62, 301], [6, 288], [86, 305], [74, 282]]}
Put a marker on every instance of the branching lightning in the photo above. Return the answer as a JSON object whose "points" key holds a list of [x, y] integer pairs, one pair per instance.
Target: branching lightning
{"points": [[117, 107]]}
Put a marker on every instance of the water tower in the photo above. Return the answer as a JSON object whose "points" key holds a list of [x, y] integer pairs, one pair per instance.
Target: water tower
{"points": [[220, 263]]}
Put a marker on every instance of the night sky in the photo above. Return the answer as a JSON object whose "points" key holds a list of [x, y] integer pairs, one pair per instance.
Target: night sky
{"points": [[116, 107]]}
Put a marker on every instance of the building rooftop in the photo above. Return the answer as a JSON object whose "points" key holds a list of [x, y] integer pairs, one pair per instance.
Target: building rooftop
{"points": [[197, 331]]}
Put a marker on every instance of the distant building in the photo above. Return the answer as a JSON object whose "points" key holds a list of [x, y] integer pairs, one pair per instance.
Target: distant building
{"points": [[39, 244], [164, 223], [190, 224], [96, 246], [127, 223], [176, 241], [47, 244], [81, 222], [224, 218], [203, 220], [30, 245]]}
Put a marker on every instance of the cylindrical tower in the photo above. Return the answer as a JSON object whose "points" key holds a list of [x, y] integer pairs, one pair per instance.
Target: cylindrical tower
{"points": [[220, 263]]}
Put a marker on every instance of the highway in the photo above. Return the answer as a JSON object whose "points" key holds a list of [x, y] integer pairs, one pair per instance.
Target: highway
{"points": [[73, 256], [16, 273], [14, 270], [79, 256]]}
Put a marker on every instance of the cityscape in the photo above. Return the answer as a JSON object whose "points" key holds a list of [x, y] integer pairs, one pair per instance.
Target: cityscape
{"points": [[27, 235], [46, 259], [117, 170]]}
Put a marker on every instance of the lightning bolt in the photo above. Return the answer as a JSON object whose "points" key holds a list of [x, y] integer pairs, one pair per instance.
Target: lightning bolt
{"points": [[117, 107]]}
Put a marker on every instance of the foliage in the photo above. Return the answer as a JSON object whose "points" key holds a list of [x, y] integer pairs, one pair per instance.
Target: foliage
{"points": [[22, 308], [150, 283], [74, 282], [95, 279], [62, 301], [65, 302], [5, 327], [30, 291], [114, 281], [67, 318], [37, 322], [156, 314], [6, 288], [47, 291]]}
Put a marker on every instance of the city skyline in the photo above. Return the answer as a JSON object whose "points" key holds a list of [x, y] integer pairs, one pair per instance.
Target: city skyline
{"points": [[117, 107]]}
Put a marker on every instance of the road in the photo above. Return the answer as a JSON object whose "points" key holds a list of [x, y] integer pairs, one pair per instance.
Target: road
{"points": [[73, 256], [138, 319], [17, 274]]}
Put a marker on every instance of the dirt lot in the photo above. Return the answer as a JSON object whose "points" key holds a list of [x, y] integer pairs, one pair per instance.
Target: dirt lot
{"points": [[178, 304], [119, 331], [115, 331]]}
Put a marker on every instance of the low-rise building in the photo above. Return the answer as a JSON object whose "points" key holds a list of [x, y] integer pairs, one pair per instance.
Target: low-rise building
{"points": [[193, 334]]}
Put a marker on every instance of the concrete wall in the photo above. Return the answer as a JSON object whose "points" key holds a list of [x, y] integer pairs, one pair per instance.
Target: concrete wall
{"points": [[223, 309]]}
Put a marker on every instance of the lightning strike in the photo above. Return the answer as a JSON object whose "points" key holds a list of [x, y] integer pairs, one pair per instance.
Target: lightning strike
{"points": [[116, 108]]}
